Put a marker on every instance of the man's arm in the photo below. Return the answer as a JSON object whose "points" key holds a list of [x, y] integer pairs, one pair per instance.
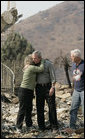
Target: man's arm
{"points": [[38, 68], [52, 74], [53, 78]]}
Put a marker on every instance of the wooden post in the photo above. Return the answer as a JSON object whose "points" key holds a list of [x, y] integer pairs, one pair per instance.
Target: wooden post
{"points": [[8, 6]]}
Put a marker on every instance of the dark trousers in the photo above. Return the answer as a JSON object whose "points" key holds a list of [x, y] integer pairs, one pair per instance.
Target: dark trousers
{"points": [[25, 107], [42, 94]]}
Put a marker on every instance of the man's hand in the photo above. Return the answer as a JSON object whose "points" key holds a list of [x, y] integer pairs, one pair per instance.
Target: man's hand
{"points": [[51, 91]]}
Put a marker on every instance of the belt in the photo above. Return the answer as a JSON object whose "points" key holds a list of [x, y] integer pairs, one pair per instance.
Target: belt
{"points": [[44, 84]]}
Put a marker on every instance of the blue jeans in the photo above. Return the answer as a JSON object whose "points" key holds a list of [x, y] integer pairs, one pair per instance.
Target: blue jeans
{"points": [[77, 100]]}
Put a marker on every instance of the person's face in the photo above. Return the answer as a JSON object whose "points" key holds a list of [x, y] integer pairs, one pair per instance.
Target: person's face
{"points": [[72, 58], [36, 59]]}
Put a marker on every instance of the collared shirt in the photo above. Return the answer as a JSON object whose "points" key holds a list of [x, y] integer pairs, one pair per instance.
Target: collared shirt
{"points": [[48, 75]]}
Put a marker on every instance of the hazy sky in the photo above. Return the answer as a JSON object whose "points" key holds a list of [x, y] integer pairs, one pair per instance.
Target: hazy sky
{"points": [[29, 8]]}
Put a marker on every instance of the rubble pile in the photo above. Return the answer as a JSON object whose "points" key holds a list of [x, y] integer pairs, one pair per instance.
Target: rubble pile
{"points": [[63, 104]]}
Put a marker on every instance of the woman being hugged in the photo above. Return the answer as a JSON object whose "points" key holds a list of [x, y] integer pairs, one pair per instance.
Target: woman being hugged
{"points": [[26, 91]]}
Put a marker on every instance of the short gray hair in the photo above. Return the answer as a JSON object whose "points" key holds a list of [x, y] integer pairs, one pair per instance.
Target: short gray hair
{"points": [[76, 53], [38, 53]]}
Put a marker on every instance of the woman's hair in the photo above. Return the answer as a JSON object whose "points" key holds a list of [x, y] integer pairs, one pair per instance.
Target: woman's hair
{"points": [[28, 60], [76, 53]]}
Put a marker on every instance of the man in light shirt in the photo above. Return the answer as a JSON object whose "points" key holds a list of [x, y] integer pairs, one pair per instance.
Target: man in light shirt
{"points": [[45, 90]]}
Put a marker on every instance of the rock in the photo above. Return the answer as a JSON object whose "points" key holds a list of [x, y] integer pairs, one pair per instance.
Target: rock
{"points": [[68, 131], [79, 131], [61, 110], [10, 111], [59, 137], [5, 99], [8, 95], [69, 102], [69, 90], [64, 87], [15, 100], [58, 86], [82, 135], [63, 95], [80, 110], [63, 100], [76, 136]]}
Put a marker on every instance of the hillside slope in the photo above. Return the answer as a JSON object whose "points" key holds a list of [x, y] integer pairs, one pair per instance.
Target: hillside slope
{"points": [[58, 28]]}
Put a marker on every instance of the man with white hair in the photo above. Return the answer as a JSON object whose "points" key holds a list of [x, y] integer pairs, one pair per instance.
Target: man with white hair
{"points": [[78, 82]]}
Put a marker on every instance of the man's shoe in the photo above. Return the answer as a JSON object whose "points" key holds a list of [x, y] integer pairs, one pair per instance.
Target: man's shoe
{"points": [[31, 128], [54, 127], [48, 127], [42, 128]]}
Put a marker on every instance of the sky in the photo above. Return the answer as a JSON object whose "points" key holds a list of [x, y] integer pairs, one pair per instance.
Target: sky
{"points": [[29, 8]]}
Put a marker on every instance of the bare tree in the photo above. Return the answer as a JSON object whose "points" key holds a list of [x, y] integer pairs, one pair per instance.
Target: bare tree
{"points": [[64, 61]]}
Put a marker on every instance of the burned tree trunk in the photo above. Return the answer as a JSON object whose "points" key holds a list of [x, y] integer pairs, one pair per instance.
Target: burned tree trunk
{"points": [[67, 76], [64, 61]]}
